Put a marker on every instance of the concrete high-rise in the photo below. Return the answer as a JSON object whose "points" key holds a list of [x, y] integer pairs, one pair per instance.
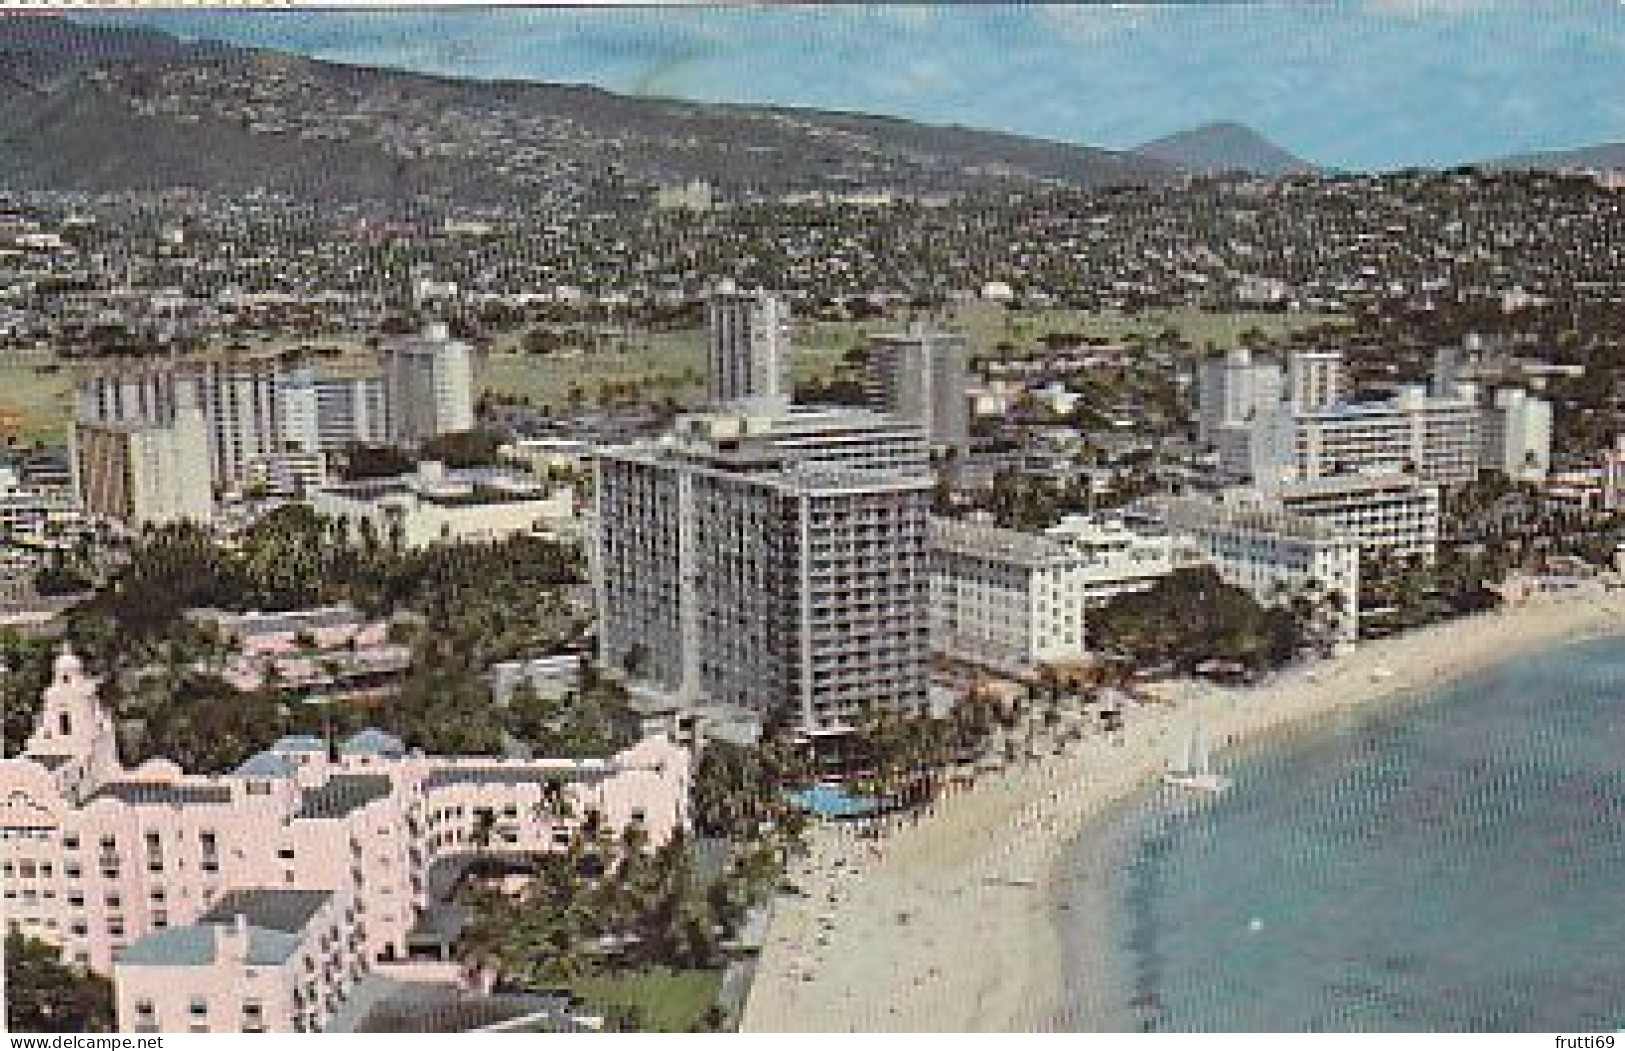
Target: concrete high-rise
{"points": [[920, 375], [749, 359], [779, 565], [238, 397], [1314, 379], [1234, 390], [1517, 435], [1435, 440], [146, 473], [328, 408], [429, 383]]}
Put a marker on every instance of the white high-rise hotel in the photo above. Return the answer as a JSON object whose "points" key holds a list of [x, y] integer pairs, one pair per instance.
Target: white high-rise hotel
{"points": [[429, 382], [765, 557], [238, 397], [920, 375], [1272, 429], [749, 358]]}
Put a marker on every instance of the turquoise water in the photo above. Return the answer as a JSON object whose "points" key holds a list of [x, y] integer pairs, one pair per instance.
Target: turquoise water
{"points": [[1457, 865], [829, 801]]}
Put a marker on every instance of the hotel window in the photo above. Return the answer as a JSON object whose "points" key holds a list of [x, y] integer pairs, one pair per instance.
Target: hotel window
{"points": [[71, 870], [198, 1007], [70, 842]]}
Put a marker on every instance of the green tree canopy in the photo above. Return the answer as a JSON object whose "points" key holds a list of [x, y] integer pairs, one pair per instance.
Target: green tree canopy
{"points": [[1192, 616], [43, 995]]}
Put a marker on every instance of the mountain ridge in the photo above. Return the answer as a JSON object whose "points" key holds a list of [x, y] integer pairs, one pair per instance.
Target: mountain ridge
{"points": [[271, 120], [1224, 146]]}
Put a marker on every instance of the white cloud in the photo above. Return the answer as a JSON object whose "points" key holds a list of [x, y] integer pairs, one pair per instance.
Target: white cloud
{"points": [[1431, 8], [1092, 23]]}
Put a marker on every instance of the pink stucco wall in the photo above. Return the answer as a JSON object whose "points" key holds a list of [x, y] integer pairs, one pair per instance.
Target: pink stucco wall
{"points": [[94, 856]]}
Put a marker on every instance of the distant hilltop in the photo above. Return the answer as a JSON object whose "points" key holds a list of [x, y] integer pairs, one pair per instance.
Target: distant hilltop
{"points": [[109, 108], [1608, 156], [1224, 146]]}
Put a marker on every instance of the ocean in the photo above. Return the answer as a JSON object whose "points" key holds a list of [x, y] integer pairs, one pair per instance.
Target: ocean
{"points": [[1452, 865]]}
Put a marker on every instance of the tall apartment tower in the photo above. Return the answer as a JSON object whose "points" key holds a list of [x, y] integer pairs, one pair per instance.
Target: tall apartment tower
{"points": [[779, 565], [239, 399], [429, 385], [146, 472], [749, 357], [920, 375], [1314, 379], [329, 408], [1234, 390], [1517, 435]]}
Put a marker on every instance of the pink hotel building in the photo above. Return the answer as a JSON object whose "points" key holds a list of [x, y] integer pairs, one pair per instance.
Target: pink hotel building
{"points": [[257, 900]]}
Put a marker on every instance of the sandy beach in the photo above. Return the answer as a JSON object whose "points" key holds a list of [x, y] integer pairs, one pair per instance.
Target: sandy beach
{"points": [[952, 924]]}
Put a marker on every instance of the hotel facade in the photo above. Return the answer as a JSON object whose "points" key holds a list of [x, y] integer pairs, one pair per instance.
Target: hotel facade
{"points": [[258, 900]]}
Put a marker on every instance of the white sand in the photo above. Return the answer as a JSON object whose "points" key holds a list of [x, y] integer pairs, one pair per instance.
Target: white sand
{"points": [[974, 954]]}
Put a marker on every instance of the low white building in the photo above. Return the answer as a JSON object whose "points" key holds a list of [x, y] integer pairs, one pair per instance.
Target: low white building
{"points": [[1112, 557], [41, 517], [1393, 515], [437, 506], [1013, 600], [539, 455], [1272, 554], [550, 677], [285, 474], [1003, 598]]}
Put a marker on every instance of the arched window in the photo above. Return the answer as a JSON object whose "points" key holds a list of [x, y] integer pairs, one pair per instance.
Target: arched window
{"points": [[64, 724]]}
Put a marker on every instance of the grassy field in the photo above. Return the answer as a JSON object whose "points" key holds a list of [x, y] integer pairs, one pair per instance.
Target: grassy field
{"points": [[673, 363], [666, 1001], [36, 402], [661, 363]]}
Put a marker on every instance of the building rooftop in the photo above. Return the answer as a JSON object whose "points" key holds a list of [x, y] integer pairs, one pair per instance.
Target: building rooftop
{"points": [[275, 921], [290, 622], [499, 775], [299, 743], [194, 946], [372, 741], [157, 793], [275, 909], [984, 540], [342, 795], [265, 764], [1342, 484], [1187, 512]]}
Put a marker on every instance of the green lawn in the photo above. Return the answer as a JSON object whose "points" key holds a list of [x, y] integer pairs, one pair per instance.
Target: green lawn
{"points": [[661, 363], [989, 324], [36, 402], [667, 1001], [673, 363]]}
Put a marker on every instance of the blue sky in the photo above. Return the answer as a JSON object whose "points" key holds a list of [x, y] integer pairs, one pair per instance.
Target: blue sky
{"points": [[1349, 83]]}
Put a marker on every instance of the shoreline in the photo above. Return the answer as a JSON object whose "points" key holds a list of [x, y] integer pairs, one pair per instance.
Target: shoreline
{"points": [[924, 930]]}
